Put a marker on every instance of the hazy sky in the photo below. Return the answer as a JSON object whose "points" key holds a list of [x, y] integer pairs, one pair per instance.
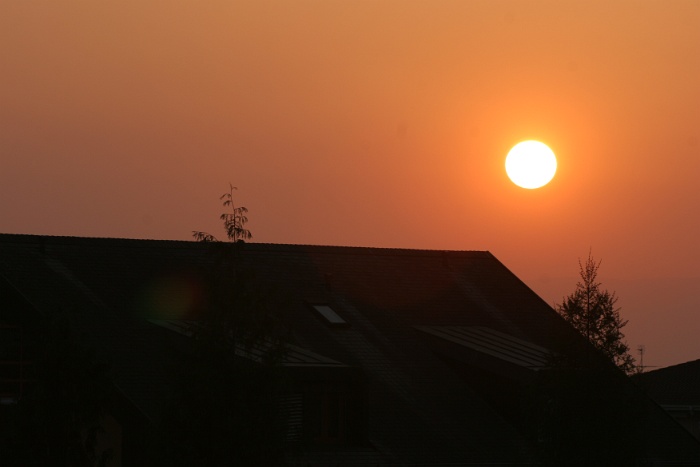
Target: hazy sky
{"points": [[372, 123]]}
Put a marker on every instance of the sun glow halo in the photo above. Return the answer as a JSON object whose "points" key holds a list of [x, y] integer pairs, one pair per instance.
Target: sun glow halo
{"points": [[531, 164]]}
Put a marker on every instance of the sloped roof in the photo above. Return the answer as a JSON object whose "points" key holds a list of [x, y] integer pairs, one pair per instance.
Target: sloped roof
{"points": [[420, 411], [677, 385], [118, 285]]}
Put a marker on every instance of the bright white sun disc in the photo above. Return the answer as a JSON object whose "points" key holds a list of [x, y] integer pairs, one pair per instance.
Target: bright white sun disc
{"points": [[531, 164]]}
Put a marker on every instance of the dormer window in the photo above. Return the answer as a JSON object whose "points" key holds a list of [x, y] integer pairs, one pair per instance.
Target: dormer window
{"points": [[329, 315]]}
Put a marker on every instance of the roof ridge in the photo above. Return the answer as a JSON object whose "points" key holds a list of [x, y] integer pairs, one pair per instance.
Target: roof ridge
{"points": [[677, 365], [33, 238]]}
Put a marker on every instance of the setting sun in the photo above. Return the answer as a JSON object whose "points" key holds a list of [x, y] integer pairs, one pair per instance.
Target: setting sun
{"points": [[531, 164]]}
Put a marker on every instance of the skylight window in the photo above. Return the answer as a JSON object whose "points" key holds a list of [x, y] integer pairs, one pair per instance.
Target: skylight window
{"points": [[329, 314]]}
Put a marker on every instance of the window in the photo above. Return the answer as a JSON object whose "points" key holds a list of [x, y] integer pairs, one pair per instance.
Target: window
{"points": [[325, 414], [334, 410], [329, 315]]}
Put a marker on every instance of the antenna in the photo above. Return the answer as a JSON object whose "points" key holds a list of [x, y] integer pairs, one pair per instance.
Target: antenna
{"points": [[641, 350]]}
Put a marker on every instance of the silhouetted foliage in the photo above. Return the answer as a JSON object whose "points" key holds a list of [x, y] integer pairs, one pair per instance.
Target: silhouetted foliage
{"points": [[580, 410], [59, 421], [593, 312], [225, 405], [234, 221]]}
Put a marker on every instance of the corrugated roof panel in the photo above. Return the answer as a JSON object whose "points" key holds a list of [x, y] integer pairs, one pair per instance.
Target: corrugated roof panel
{"points": [[294, 355], [494, 343]]}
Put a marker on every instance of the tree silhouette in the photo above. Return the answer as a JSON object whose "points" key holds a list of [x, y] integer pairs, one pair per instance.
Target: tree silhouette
{"points": [[593, 312], [581, 411], [228, 380], [234, 221]]}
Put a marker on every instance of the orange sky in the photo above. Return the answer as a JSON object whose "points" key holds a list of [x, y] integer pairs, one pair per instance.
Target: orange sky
{"points": [[373, 123]]}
